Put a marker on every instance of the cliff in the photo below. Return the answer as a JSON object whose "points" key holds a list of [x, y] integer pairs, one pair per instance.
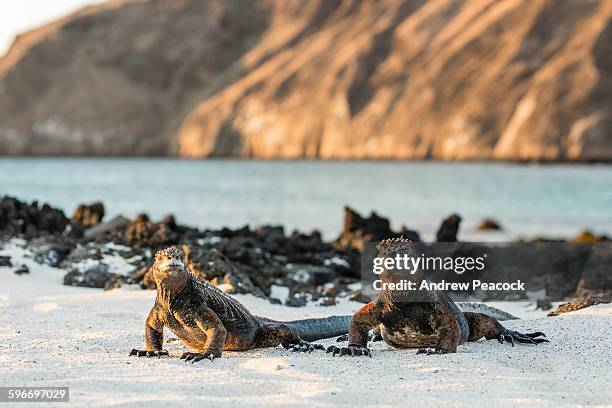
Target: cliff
{"points": [[441, 79]]}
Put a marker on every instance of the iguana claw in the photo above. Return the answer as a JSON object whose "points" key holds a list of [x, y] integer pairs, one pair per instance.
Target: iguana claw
{"points": [[193, 357], [529, 338], [149, 353], [349, 351], [304, 346]]}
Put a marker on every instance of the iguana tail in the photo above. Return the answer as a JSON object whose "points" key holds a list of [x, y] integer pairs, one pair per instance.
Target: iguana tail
{"points": [[321, 328], [493, 312]]}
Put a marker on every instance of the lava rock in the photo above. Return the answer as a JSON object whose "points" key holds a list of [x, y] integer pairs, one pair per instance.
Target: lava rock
{"points": [[244, 231], [271, 238], [300, 242], [244, 249], [358, 230], [117, 224], [149, 281], [543, 304], [144, 233], [412, 235], [327, 301], [310, 275], [89, 214], [138, 276], [297, 300], [449, 229], [359, 296], [5, 261], [52, 255], [22, 269], [20, 218], [489, 224], [96, 276], [81, 254], [210, 263], [114, 283], [596, 276]]}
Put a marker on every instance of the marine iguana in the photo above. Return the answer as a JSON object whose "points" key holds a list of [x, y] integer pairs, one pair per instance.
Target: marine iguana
{"points": [[210, 321], [420, 319]]}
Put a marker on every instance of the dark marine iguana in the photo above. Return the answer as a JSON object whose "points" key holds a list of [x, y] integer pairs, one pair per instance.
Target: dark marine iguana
{"points": [[420, 319], [210, 321]]}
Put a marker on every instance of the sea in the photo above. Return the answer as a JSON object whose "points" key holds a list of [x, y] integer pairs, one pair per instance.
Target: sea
{"points": [[527, 200]]}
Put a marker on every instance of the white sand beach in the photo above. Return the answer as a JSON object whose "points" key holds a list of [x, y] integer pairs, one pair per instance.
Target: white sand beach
{"points": [[54, 335]]}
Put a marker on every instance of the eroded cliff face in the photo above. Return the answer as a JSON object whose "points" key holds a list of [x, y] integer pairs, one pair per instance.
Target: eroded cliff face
{"points": [[116, 79], [444, 79]]}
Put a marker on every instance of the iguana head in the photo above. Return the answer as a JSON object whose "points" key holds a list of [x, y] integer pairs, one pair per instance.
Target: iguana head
{"points": [[169, 265], [393, 247]]}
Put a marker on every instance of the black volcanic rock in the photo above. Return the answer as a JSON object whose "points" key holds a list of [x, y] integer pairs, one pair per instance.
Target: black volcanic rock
{"points": [[358, 230], [52, 255], [96, 276], [20, 218], [211, 265], [449, 229], [21, 270], [5, 261]]}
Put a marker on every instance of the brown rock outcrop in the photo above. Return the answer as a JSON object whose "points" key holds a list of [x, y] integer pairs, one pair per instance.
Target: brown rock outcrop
{"points": [[89, 214], [357, 231], [456, 80]]}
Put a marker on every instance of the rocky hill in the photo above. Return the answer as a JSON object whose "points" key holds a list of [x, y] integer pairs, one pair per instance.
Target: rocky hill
{"points": [[442, 79]]}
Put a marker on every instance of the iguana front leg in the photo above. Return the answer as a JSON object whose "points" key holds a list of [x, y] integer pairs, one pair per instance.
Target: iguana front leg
{"points": [[365, 319], [215, 333], [154, 337]]}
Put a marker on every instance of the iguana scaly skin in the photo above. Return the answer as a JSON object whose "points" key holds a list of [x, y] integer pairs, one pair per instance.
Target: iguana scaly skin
{"points": [[210, 321], [420, 319]]}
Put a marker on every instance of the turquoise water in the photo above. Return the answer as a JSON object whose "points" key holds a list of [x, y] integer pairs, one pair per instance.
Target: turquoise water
{"points": [[526, 199]]}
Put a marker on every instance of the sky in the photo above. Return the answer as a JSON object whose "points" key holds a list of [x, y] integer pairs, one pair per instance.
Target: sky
{"points": [[17, 16]]}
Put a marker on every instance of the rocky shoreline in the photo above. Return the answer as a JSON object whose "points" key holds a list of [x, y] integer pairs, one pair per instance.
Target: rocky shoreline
{"points": [[266, 260]]}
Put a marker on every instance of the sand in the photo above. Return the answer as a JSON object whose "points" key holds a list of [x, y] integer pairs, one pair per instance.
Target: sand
{"points": [[53, 335]]}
